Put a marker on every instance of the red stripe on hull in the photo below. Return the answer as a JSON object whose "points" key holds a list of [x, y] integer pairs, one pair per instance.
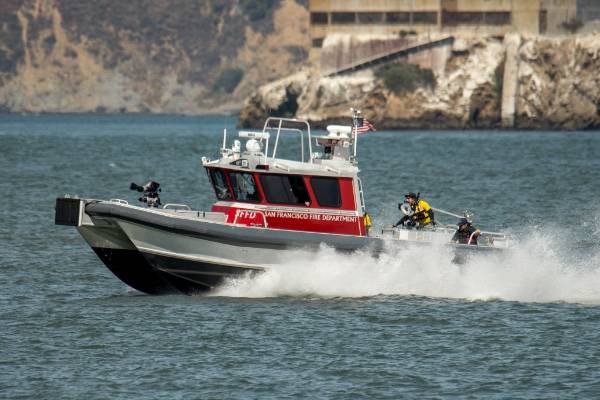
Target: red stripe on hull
{"points": [[299, 220]]}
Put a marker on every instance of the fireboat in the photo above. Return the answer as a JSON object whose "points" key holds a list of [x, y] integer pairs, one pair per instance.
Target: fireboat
{"points": [[265, 206]]}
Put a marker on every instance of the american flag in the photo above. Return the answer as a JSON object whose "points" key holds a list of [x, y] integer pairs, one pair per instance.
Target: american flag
{"points": [[363, 126]]}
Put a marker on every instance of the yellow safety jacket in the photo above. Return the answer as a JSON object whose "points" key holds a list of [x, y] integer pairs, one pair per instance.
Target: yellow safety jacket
{"points": [[367, 219], [421, 215]]}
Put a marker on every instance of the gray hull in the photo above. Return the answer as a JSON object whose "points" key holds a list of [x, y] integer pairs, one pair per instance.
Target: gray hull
{"points": [[192, 253], [122, 258], [160, 251]]}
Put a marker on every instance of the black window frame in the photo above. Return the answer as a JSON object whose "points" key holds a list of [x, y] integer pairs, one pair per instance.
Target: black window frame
{"points": [[319, 18], [343, 18], [424, 17], [234, 187], [456, 18], [397, 17], [211, 176], [317, 190], [498, 18], [278, 189], [370, 17]]}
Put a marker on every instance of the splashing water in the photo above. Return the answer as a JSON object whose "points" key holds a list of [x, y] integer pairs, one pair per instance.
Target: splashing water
{"points": [[534, 271]]}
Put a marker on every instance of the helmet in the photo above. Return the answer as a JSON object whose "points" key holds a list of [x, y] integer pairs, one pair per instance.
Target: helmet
{"points": [[462, 222], [411, 194]]}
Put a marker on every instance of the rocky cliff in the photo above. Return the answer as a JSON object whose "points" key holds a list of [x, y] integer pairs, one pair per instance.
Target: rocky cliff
{"points": [[183, 56], [556, 84]]}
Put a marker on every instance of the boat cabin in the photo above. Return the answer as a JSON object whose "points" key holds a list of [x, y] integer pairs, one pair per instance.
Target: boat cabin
{"points": [[319, 191]]}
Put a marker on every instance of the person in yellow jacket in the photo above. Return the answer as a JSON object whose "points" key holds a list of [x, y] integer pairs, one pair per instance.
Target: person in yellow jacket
{"points": [[422, 214], [367, 221]]}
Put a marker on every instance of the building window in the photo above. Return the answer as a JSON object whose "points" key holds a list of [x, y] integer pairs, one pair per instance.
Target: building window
{"points": [[424, 18], [370, 17], [543, 21], [497, 18], [217, 177], [471, 18], [343, 18], [284, 189], [244, 186], [319, 18], [397, 17], [327, 191], [317, 42]]}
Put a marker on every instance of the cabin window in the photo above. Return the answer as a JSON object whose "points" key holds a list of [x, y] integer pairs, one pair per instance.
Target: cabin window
{"points": [[219, 182], [284, 189], [327, 191], [244, 186]]}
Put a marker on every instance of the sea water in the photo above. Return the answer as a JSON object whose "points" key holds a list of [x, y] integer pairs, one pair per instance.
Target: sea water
{"points": [[408, 324]]}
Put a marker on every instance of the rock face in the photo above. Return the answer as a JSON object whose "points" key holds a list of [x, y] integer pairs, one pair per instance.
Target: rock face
{"points": [[558, 87], [186, 56], [559, 83]]}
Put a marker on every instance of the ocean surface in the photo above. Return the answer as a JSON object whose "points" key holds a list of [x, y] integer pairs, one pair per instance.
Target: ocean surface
{"points": [[406, 325]]}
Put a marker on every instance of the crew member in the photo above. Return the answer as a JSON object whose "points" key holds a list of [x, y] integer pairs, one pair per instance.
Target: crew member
{"points": [[367, 221], [422, 215], [466, 233]]}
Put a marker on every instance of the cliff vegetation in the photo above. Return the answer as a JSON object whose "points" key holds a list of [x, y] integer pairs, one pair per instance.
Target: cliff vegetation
{"points": [[404, 77]]}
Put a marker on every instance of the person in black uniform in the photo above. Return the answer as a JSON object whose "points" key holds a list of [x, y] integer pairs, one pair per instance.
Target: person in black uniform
{"points": [[466, 233]]}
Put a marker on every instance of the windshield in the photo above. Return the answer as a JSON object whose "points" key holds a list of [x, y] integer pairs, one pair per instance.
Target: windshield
{"points": [[244, 186], [219, 182]]}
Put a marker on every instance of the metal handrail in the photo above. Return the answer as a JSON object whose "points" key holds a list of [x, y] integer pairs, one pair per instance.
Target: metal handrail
{"points": [[118, 201], [362, 195], [280, 129], [290, 130], [176, 206], [281, 166]]}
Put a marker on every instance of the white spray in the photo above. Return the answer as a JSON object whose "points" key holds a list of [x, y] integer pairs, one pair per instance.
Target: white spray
{"points": [[534, 271]]}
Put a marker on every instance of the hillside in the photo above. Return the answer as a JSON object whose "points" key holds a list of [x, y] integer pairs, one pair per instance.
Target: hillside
{"points": [[179, 56], [550, 82]]}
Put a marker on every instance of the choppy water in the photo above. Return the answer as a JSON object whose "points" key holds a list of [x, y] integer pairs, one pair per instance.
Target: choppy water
{"points": [[407, 325]]}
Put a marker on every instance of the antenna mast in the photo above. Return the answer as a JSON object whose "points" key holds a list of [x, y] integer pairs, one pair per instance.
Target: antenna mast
{"points": [[355, 117]]}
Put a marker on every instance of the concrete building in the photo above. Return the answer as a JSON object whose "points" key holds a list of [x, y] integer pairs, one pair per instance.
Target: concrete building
{"points": [[588, 10], [405, 17], [555, 13]]}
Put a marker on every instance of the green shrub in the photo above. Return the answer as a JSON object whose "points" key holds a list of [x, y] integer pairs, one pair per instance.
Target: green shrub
{"points": [[403, 77], [228, 80], [572, 25], [258, 10]]}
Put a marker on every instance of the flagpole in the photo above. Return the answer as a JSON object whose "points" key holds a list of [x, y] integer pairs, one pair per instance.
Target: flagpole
{"points": [[354, 123]]}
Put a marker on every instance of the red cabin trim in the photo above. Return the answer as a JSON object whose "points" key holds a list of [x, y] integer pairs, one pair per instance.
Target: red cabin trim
{"points": [[347, 192], [337, 220]]}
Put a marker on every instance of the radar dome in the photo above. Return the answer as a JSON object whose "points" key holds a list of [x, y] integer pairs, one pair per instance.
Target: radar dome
{"points": [[253, 146]]}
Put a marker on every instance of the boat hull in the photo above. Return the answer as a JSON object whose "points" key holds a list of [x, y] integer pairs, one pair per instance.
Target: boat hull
{"points": [[194, 276], [123, 259], [197, 255], [159, 252], [131, 267]]}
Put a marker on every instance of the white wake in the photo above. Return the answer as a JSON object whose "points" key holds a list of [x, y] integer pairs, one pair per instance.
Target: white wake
{"points": [[532, 272]]}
